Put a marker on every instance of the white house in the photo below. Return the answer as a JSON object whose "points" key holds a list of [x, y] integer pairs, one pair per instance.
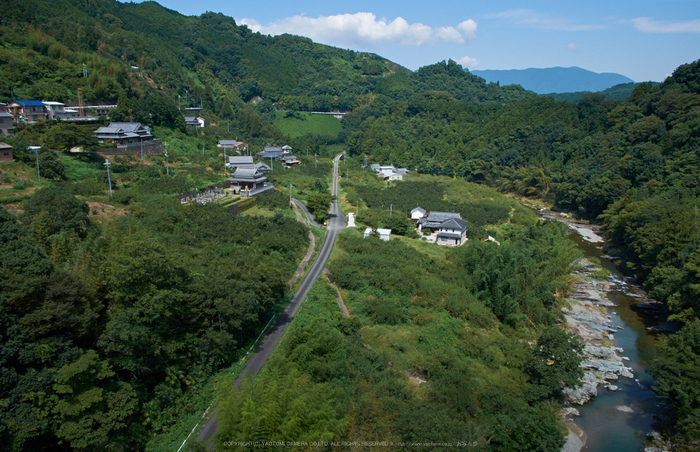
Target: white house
{"points": [[417, 214], [384, 234], [452, 232]]}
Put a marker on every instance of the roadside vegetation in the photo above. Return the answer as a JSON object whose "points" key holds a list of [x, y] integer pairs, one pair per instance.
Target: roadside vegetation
{"points": [[463, 347]]}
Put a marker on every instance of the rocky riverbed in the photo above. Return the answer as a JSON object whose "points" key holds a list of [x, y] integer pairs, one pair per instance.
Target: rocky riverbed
{"points": [[586, 316], [600, 310]]}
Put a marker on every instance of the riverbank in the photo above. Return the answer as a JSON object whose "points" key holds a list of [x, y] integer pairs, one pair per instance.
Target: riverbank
{"points": [[613, 408]]}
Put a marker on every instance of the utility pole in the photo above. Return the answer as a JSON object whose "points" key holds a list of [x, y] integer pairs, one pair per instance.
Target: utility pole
{"points": [[36, 151], [109, 178], [290, 194], [167, 168], [347, 173], [272, 166], [141, 150], [179, 104], [391, 209], [316, 158], [202, 149]]}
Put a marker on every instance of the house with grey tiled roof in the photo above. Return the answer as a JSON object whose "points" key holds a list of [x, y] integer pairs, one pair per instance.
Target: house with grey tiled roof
{"points": [[452, 232], [232, 144], [123, 133], [448, 228], [432, 220], [194, 121], [289, 160], [262, 167], [240, 161], [272, 152], [248, 181]]}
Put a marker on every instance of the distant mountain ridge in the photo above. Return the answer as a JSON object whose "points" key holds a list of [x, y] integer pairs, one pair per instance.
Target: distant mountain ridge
{"points": [[555, 79]]}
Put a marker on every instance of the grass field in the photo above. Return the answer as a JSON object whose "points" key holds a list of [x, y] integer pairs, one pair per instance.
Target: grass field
{"points": [[305, 123]]}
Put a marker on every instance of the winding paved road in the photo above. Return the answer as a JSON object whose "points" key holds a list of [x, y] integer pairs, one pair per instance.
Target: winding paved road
{"points": [[336, 223]]}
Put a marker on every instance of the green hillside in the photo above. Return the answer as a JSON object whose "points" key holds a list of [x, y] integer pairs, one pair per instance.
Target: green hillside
{"points": [[299, 124]]}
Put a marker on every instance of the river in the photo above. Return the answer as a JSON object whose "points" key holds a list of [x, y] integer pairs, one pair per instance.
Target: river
{"points": [[619, 421]]}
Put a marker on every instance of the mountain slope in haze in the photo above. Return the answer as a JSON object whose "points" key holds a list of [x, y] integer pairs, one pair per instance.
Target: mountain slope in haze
{"points": [[554, 80], [617, 92]]}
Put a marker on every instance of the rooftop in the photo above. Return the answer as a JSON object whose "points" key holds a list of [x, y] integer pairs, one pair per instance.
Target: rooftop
{"points": [[454, 223], [442, 216], [241, 160], [29, 103]]}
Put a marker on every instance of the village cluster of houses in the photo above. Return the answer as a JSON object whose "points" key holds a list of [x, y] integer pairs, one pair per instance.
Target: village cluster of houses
{"points": [[32, 111], [389, 172]]}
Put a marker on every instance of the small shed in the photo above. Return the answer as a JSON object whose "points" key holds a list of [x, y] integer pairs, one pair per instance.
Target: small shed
{"points": [[384, 234]]}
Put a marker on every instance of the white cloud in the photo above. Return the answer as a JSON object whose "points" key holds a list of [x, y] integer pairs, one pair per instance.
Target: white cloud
{"points": [[573, 48], [468, 29], [364, 29], [531, 19], [469, 62], [649, 25]]}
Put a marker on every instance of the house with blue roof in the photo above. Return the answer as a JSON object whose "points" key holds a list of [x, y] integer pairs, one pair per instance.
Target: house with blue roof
{"points": [[28, 111]]}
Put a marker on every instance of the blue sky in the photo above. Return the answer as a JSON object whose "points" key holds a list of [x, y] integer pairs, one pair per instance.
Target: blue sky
{"points": [[642, 39]]}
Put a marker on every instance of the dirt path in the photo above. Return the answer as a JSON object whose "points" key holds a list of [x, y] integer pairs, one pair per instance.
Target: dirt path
{"points": [[312, 247], [304, 262], [297, 213], [341, 304]]}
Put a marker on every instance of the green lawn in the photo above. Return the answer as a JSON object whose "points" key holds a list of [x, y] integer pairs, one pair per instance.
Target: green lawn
{"points": [[304, 123]]}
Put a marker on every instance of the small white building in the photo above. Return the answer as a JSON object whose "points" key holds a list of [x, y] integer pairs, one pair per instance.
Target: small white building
{"points": [[417, 214], [384, 234]]}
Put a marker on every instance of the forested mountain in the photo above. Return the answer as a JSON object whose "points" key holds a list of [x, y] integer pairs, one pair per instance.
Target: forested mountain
{"points": [[135, 49], [554, 79], [144, 47]]}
